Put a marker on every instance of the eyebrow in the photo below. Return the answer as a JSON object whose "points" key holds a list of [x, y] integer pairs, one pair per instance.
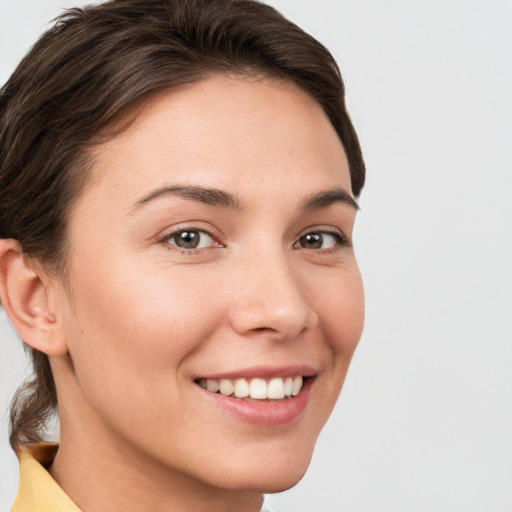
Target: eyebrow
{"points": [[221, 198], [210, 196], [327, 198]]}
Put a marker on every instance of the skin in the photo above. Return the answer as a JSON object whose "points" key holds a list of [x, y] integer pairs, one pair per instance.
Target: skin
{"points": [[142, 318]]}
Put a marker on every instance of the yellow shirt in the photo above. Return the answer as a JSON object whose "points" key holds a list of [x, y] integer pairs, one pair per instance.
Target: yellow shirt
{"points": [[37, 490]]}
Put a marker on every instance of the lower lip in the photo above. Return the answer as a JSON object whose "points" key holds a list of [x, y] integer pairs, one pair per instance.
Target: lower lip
{"points": [[265, 413]]}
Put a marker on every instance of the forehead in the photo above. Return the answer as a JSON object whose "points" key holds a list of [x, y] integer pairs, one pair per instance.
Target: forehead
{"points": [[224, 132]]}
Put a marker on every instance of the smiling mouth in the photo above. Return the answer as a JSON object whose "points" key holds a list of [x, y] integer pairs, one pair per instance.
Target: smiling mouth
{"points": [[277, 388]]}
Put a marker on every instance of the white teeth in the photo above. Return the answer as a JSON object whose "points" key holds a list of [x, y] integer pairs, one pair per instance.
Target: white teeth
{"points": [[257, 388], [276, 389], [226, 387], [212, 385], [288, 385], [241, 388], [297, 385]]}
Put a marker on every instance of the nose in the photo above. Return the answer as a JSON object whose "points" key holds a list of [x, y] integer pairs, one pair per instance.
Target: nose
{"points": [[271, 298]]}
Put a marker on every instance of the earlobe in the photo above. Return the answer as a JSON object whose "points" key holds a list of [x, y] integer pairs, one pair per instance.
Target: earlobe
{"points": [[25, 298]]}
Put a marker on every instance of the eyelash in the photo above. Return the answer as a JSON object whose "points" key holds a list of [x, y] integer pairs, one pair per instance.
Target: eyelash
{"points": [[340, 240]]}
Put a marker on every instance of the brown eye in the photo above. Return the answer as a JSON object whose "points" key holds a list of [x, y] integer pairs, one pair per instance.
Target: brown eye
{"points": [[311, 241], [191, 239], [320, 240]]}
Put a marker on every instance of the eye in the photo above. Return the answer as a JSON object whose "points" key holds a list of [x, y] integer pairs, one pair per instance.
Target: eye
{"points": [[191, 239], [320, 240]]}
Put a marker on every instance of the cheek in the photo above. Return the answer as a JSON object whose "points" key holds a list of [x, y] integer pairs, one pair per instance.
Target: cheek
{"points": [[341, 310], [133, 328]]}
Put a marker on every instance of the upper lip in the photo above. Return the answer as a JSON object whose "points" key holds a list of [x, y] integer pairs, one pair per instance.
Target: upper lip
{"points": [[264, 372]]}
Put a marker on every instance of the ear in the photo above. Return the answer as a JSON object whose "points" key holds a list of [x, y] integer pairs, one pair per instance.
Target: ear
{"points": [[25, 297]]}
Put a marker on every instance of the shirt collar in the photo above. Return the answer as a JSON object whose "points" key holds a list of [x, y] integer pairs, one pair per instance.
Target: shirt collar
{"points": [[37, 490]]}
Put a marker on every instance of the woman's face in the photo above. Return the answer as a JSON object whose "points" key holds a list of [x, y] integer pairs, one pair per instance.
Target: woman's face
{"points": [[213, 247]]}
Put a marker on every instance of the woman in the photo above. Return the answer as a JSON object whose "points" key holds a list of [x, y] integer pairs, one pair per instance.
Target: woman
{"points": [[177, 198]]}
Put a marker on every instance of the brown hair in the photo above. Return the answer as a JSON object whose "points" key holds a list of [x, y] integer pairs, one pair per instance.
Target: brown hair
{"points": [[85, 72]]}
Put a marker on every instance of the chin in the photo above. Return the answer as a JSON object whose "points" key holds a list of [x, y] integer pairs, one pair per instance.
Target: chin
{"points": [[282, 483], [269, 483], [271, 474]]}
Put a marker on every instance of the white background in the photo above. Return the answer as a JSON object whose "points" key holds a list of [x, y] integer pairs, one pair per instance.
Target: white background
{"points": [[424, 422]]}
